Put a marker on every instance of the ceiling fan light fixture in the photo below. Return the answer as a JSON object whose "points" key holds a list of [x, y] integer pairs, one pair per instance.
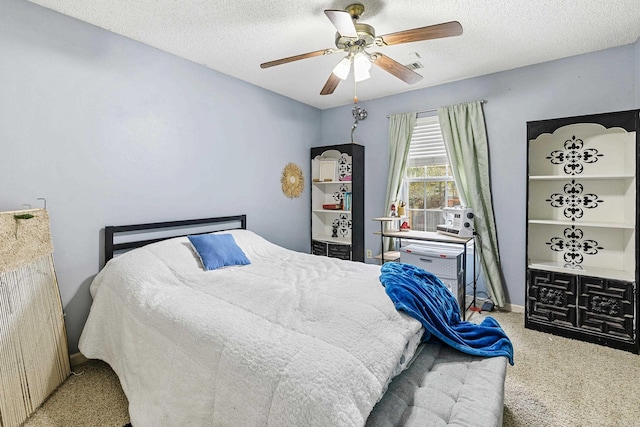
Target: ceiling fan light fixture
{"points": [[353, 38], [342, 69], [361, 67]]}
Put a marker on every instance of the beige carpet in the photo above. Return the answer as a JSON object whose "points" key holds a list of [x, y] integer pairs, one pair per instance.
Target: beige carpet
{"points": [[562, 382], [91, 397], [555, 382]]}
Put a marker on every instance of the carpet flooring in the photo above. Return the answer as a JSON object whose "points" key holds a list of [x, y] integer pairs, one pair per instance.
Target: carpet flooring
{"points": [[555, 382]]}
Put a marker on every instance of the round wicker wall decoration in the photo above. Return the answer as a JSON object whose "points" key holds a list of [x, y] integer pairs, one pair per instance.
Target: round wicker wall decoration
{"points": [[292, 180]]}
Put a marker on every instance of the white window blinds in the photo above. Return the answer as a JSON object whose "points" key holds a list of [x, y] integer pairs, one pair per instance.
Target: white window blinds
{"points": [[427, 145]]}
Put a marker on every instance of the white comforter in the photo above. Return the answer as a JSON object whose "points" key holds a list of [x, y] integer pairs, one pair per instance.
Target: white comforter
{"points": [[290, 340]]}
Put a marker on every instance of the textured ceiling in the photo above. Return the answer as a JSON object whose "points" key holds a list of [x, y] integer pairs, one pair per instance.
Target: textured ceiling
{"points": [[234, 37]]}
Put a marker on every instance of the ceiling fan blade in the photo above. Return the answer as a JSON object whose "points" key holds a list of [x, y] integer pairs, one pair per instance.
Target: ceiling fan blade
{"points": [[330, 85], [395, 68], [447, 29], [343, 22], [297, 58]]}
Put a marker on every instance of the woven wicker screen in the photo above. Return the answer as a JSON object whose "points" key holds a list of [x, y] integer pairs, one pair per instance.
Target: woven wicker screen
{"points": [[34, 357]]}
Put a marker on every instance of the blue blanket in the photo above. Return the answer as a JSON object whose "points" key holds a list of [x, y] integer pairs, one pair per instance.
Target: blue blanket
{"points": [[423, 296]]}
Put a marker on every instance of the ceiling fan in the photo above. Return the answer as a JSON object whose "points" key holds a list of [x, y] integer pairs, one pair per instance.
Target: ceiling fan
{"points": [[355, 37]]}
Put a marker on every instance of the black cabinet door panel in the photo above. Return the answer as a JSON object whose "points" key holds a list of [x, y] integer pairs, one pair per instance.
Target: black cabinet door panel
{"points": [[606, 306], [552, 297]]}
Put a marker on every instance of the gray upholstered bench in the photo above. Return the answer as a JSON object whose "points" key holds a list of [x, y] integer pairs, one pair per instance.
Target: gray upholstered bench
{"points": [[444, 387]]}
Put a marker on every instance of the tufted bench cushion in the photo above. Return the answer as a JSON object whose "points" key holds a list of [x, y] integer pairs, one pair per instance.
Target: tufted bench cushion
{"points": [[444, 387]]}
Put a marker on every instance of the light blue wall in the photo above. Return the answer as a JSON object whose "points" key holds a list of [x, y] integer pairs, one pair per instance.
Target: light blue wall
{"points": [[112, 132], [592, 83], [638, 73]]}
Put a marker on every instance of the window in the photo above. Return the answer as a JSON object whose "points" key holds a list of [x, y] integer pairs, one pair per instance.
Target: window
{"points": [[428, 184]]}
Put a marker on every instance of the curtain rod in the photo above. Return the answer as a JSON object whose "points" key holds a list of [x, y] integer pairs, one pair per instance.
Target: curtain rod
{"points": [[431, 110]]}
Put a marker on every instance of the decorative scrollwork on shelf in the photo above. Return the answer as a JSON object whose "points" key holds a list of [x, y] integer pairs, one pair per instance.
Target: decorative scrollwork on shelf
{"points": [[344, 225], [574, 156], [573, 200], [344, 166], [339, 195], [574, 246]]}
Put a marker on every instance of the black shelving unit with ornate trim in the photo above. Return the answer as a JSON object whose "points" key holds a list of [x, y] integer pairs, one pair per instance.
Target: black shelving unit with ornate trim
{"points": [[582, 228], [337, 201]]}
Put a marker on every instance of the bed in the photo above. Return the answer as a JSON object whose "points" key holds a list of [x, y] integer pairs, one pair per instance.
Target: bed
{"points": [[286, 339]]}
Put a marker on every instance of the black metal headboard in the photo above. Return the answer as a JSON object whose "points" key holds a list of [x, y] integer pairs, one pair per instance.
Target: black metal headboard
{"points": [[112, 232]]}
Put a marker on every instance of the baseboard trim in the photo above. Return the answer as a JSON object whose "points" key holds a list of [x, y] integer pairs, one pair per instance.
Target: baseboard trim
{"points": [[513, 308], [507, 307], [77, 359]]}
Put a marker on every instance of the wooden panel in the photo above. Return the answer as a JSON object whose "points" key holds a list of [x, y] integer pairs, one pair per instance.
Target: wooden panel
{"points": [[318, 248], [607, 307], [339, 251], [552, 298]]}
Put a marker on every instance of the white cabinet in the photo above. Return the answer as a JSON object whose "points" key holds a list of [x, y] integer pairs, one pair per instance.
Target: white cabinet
{"points": [[446, 261], [582, 227], [582, 191], [337, 201]]}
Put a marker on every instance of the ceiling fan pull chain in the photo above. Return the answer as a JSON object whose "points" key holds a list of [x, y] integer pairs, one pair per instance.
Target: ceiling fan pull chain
{"points": [[355, 91]]}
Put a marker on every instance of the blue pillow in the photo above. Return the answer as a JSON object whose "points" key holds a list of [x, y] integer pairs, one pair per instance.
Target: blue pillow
{"points": [[218, 250]]}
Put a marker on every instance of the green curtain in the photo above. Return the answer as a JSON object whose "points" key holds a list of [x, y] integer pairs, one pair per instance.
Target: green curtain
{"points": [[400, 133], [465, 137]]}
